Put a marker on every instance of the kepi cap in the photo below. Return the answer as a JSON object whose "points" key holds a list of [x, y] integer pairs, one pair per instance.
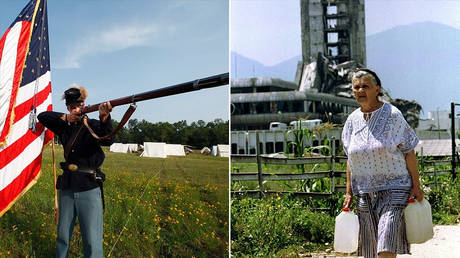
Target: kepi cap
{"points": [[75, 95]]}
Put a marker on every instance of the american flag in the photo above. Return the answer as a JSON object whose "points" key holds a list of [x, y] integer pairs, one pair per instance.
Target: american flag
{"points": [[25, 90]]}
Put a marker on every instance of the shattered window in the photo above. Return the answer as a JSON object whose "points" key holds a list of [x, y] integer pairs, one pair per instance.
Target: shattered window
{"points": [[331, 23], [269, 147], [331, 9], [297, 106], [332, 37], [332, 51]]}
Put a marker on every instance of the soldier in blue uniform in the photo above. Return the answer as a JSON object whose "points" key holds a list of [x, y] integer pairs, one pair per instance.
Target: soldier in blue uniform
{"points": [[80, 185]]}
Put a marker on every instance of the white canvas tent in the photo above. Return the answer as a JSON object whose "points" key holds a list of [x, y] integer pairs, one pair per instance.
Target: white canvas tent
{"points": [[162, 150], [214, 150], [154, 150], [119, 147], [133, 147], [205, 151], [222, 150], [174, 150], [124, 147]]}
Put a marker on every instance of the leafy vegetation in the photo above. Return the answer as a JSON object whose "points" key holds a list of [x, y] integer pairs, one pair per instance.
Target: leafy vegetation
{"points": [[441, 191], [263, 227], [174, 207], [198, 134]]}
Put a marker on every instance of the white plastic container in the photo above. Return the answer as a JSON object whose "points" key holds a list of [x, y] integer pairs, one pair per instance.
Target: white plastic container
{"points": [[346, 232], [419, 226]]}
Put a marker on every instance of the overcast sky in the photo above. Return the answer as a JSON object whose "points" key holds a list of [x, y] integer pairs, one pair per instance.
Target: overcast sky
{"points": [[268, 31], [117, 48]]}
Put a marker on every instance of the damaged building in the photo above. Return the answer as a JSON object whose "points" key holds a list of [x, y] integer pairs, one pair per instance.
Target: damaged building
{"points": [[255, 110], [333, 45]]}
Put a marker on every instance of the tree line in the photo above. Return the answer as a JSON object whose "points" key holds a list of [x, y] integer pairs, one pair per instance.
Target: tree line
{"points": [[198, 134]]}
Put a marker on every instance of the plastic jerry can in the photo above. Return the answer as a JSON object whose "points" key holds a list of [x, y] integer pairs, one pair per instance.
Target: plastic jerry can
{"points": [[346, 232], [419, 226]]}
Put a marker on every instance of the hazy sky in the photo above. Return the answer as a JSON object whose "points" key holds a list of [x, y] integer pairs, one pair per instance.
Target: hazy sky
{"points": [[268, 31], [117, 48]]}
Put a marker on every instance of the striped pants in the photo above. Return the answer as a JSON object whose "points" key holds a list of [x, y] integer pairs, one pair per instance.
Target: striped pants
{"points": [[381, 223]]}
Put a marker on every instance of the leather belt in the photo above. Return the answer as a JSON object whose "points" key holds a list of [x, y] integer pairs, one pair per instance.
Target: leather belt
{"points": [[76, 168]]}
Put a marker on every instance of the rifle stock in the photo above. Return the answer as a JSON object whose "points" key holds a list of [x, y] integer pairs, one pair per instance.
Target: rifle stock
{"points": [[204, 83]]}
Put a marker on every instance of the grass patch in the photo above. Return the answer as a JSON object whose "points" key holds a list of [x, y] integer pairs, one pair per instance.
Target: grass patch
{"points": [[169, 207], [272, 225]]}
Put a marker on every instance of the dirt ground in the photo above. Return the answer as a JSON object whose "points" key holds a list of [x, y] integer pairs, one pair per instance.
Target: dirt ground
{"points": [[445, 244]]}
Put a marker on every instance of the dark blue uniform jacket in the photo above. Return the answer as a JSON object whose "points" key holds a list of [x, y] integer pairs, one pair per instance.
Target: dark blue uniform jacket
{"points": [[86, 151]]}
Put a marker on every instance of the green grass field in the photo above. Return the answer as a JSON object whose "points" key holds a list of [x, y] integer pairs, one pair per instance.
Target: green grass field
{"points": [[176, 206]]}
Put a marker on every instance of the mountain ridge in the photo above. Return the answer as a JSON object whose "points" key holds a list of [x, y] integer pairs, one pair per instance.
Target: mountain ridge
{"points": [[418, 61]]}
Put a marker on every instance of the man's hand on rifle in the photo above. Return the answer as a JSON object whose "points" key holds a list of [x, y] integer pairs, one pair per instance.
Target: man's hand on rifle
{"points": [[74, 113], [104, 111]]}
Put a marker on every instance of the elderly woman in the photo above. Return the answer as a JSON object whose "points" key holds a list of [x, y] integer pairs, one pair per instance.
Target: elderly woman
{"points": [[381, 169]]}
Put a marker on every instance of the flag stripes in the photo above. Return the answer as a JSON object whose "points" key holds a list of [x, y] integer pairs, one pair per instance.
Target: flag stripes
{"points": [[20, 185], [27, 91], [13, 55], [20, 147]]}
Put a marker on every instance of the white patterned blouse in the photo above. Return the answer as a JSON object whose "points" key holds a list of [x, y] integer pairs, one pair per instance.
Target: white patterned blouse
{"points": [[375, 149]]}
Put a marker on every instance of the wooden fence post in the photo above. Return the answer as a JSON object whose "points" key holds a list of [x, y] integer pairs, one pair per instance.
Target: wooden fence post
{"points": [[259, 165], [333, 164], [435, 176], [452, 133], [332, 167]]}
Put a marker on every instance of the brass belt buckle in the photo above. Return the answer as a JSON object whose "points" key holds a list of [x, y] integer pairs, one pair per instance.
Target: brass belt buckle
{"points": [[72, 167]]}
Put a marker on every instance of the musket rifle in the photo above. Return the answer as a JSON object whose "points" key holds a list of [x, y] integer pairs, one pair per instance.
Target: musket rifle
{"points": [[204, 83]]}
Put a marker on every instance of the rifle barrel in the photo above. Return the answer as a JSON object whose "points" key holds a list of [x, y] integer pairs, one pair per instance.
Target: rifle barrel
{"points": [[204, 83]]}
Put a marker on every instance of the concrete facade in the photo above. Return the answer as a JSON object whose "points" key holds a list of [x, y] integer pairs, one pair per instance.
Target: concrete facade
{"points": [[274, 141], [254, 109], [335, 28], [438, 120]]}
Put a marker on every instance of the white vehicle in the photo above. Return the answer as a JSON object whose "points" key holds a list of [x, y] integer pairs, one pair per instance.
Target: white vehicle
{"points": [[306, 124], [278, 126]]}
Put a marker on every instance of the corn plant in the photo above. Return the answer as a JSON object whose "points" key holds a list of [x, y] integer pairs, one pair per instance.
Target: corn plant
{"points": [[300, 137]]}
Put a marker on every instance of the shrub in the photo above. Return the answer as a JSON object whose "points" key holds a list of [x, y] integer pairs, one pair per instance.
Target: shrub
{"points": [[264, 226], [445, 202]]}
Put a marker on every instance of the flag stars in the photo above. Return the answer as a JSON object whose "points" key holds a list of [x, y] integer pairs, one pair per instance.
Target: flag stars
{"points": [[37, 54]]}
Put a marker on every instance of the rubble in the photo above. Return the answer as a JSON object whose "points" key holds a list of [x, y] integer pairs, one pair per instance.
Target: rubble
{"points": [[326, 77]]}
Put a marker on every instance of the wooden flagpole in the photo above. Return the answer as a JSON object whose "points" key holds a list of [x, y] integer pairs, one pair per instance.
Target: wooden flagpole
{"points": [[56, 209]]}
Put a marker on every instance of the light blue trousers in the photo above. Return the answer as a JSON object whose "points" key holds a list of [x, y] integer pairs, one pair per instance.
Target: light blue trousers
{"points": [[87, 206]]}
